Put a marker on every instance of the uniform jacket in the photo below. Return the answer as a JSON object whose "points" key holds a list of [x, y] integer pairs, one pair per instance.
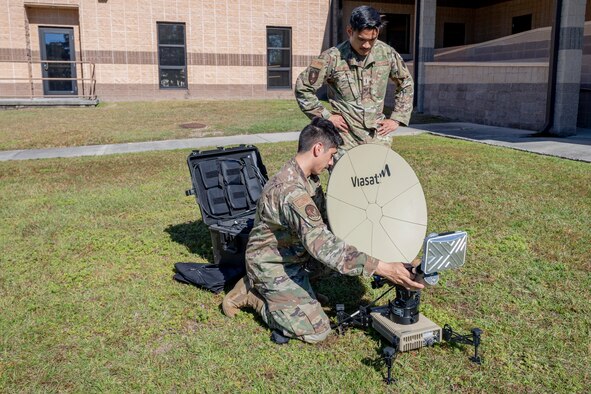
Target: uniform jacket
{"points": [[357, 88], [288, 230]]}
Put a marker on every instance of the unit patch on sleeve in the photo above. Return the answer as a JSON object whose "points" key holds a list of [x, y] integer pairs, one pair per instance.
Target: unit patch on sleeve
{"points": [[313, 212], [313, 75], [315, 68]]}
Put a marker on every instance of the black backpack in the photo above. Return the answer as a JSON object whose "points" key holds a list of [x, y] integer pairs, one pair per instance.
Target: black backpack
{"points": [[208, 276]]}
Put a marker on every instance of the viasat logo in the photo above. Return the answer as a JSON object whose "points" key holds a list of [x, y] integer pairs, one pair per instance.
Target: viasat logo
{"points": [[370, 180]]}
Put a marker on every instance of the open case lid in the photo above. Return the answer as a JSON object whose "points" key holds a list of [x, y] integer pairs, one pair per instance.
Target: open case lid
{"points": [[227, 182]]}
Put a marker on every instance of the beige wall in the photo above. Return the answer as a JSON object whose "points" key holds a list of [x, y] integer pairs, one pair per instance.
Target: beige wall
{"points": [[495, 21], [454, 15], [226, 42], [226, 45], [482, 24], [488, 23]]}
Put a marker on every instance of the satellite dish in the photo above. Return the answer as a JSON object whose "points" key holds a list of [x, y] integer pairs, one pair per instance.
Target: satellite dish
{"points": [[375, 202]]}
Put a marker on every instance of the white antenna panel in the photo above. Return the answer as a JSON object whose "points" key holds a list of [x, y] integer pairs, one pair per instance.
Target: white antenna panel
{"points": [[375, 202]]}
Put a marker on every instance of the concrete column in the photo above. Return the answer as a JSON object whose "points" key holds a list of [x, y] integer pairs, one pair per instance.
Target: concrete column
{"points": [[335, 22], [568, 76], [426, 45]]}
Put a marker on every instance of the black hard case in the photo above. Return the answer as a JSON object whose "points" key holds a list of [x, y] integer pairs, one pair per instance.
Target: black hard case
{"points": [[227, 183]]}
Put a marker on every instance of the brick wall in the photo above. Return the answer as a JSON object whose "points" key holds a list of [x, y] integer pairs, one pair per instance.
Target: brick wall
{"points": [[500, 94], [584, 116], [225, 43], [527, 46]]}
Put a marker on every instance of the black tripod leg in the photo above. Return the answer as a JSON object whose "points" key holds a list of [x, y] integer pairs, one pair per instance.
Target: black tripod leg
{"points": [[476, 332], [389, 357]]}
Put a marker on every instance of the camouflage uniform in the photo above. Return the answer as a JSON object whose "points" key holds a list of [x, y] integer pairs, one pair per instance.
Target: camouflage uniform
{"points": [[288, 231], [356, 90]]}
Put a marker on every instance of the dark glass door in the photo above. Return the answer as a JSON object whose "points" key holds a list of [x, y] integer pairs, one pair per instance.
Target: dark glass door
{"points": [[58, 44]]}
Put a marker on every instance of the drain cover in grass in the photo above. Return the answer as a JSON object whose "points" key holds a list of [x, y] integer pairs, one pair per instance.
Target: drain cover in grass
{"points": [[192, 125]]}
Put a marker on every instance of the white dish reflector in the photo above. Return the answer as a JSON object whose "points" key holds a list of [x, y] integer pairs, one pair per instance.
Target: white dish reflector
{"points": [[375, 202]]}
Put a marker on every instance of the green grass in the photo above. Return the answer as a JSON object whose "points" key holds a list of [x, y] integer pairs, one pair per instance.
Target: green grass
{"points": [[88, 304], [121, 122]]}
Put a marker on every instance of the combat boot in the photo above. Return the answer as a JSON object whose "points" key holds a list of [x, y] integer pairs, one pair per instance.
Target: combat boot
{"points": [[237, 298], [255, 301], [242, 295]]}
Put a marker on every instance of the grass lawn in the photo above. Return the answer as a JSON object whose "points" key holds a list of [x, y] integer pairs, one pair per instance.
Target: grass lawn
{"points": [[88, 303], [120, 122]]}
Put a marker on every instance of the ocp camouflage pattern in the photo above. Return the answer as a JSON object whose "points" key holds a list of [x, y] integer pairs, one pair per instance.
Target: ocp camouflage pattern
{"points": [[357, 89], [288, 231]]}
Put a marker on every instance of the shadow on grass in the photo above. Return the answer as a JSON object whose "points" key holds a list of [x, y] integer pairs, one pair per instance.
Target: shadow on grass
{"points": [[196, 238], [341, 289], [378, 362], [194, 235]]}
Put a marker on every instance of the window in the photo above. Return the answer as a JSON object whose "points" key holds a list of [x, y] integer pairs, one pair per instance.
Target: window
{"points": [[454, 34], [278, 58], [521, 23], [396, 33], [172, 56]]}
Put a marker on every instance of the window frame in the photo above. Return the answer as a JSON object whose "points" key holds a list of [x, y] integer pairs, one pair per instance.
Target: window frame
{"points": [[167, 67], [275, 68]]}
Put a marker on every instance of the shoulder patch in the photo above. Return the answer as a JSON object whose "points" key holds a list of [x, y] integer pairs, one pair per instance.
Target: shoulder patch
{"points": [[313, 212], [302, 200], [313, 75], [318, 63]]}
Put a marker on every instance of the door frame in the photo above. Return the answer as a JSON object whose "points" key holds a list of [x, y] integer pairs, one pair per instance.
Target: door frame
{"points": [[43, 56]]}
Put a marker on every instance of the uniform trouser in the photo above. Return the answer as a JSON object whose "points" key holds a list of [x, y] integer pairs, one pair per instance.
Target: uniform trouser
{"points": [[277, 321], [350, 142], [304, 320]]}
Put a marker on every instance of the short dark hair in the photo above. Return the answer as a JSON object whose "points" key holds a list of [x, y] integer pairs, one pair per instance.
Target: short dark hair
{"points": [[365, 17], [320, 130]]}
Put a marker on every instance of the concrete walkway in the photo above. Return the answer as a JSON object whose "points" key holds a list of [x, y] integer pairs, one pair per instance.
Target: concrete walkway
{"points": [[189, 143], [575, 148]]}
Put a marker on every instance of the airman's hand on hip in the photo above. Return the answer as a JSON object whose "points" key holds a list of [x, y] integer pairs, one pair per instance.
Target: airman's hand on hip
{"points": [[339, 122], [387, 126]]}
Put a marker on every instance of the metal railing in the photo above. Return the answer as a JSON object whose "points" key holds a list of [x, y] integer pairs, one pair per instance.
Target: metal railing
{"points": [[85, 79]]}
